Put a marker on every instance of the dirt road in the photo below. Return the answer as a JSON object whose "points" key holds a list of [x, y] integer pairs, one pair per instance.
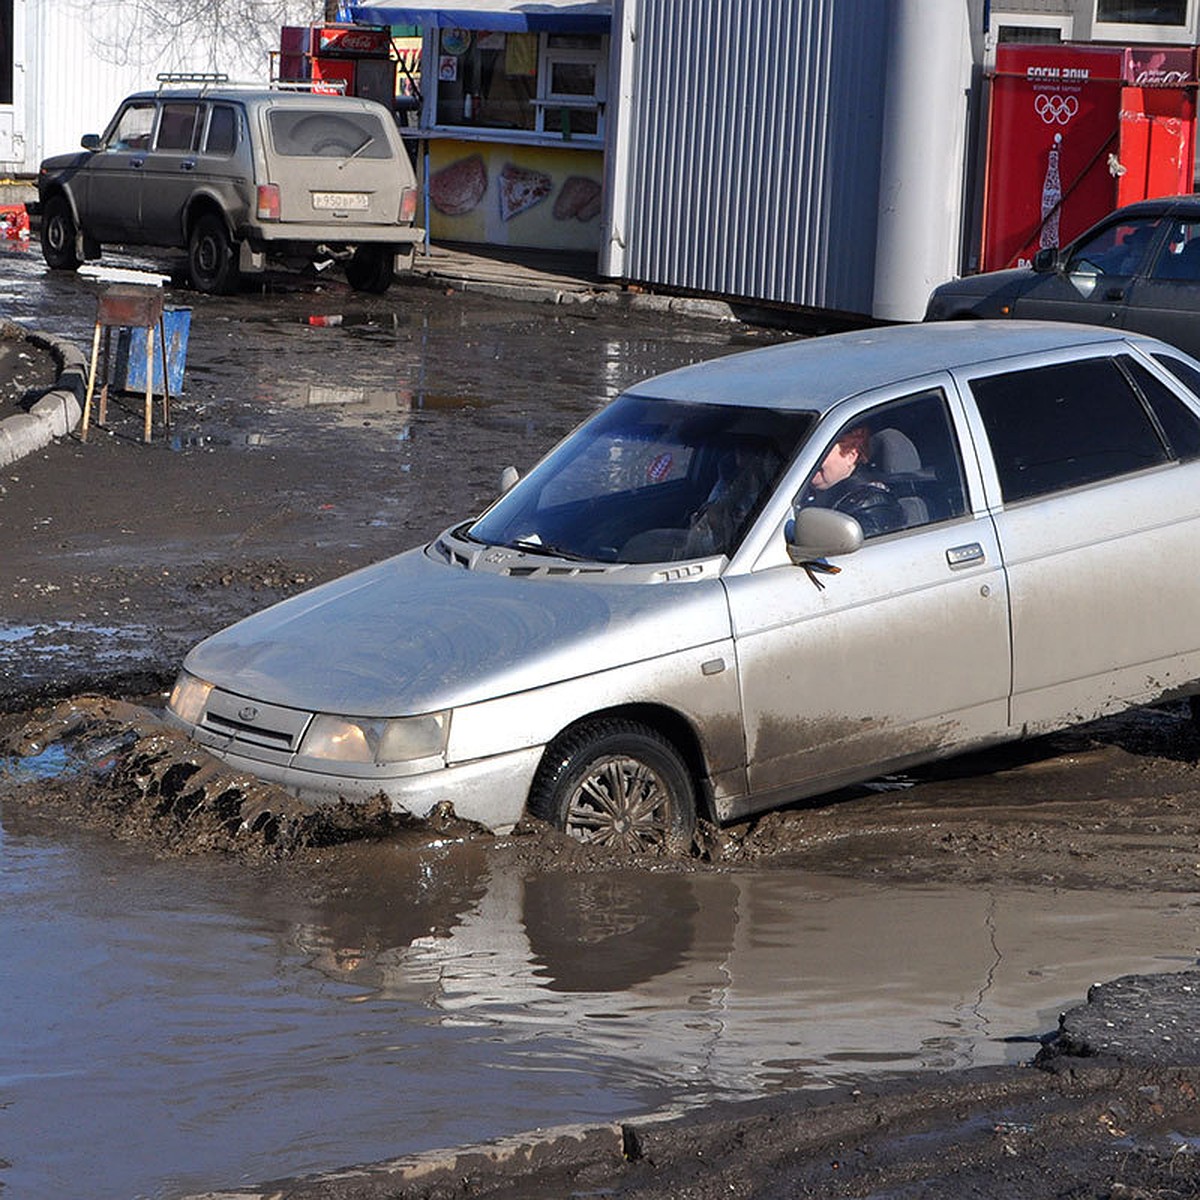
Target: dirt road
{"points": [[115, 557]]}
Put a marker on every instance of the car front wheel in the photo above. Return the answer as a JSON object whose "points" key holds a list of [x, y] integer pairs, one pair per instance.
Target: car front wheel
{"points": [[617, 783], [371, 269], [58, 235], [212, 266]]}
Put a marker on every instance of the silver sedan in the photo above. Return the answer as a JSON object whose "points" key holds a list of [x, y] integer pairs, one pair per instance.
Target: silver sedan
{"points": [[751, 581]]}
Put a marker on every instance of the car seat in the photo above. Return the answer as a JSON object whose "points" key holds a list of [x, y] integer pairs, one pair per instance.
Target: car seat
{"points": [[893, 454]]}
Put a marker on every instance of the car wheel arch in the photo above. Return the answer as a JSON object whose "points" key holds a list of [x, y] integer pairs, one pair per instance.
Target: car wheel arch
{"points": [[669, 724]]}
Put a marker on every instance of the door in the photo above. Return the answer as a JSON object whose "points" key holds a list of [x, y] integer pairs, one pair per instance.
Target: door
{"points": [[903, 654], [1165, 302], [1093, 284], [1097, 463], [170, 172], [110, 200]]}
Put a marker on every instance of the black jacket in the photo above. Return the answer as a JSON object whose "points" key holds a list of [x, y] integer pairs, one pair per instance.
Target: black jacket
{"points": [[864, 497]]}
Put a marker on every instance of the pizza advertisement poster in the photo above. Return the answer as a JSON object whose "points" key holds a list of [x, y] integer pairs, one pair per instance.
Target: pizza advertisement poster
{"points": [[510, 195]]}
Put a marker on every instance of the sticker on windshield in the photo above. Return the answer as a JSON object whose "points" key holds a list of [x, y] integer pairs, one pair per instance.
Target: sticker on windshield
{"points": [[658, 470]]}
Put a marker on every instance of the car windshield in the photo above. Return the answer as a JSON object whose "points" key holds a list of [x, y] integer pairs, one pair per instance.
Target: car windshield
{"points": [[649, 481]]}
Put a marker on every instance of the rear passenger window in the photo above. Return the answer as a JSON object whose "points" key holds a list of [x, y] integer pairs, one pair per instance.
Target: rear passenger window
{"points": [[1179, 424], [222, 130], [1058, 427], [179, 127]]}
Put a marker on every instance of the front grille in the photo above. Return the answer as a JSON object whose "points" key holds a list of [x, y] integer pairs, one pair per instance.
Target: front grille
{"points": [[252, 723]]}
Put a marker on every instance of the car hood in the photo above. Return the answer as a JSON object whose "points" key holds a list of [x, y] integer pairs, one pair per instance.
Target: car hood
{"points": [[413, 634], [990, 283]]}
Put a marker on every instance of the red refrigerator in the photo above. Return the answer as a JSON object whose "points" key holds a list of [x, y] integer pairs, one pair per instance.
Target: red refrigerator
{"points": [[1075, 131]]}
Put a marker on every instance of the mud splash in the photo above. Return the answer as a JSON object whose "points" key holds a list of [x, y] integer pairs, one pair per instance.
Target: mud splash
{"points": [[113, 764]]}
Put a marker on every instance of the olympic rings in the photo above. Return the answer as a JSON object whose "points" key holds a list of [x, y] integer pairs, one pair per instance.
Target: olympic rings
{"points": [[1055, 110]]}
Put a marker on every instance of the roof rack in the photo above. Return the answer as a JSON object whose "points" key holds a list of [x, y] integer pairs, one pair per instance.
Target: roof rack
{"points": [[207, 79]]}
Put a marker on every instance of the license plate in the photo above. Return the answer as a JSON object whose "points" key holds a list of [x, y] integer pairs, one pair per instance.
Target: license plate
{"points": [[344, 201]]}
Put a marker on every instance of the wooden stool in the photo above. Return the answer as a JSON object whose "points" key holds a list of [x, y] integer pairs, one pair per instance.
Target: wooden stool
{"points": [[134, 307]]}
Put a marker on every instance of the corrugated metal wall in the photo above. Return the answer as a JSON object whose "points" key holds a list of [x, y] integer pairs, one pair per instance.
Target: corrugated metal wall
{"points": [[752, 132]]}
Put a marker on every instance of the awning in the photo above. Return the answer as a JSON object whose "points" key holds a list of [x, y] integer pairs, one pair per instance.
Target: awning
{"points": [[533, 16]]}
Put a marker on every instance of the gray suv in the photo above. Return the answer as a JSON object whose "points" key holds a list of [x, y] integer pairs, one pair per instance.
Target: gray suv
{"points": [[237, 178]]}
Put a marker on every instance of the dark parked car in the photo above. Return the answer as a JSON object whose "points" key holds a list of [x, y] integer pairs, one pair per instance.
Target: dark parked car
{"points": [[1138, 269]]}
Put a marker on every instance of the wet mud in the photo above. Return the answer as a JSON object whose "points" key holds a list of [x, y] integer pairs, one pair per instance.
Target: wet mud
{"points": [[300, 451]]}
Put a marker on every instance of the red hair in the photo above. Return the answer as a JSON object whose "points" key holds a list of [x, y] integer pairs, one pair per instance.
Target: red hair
{"points": [[857, 439]]}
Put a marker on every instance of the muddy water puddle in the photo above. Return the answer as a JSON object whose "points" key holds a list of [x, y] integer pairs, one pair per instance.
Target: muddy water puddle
{"points": [[176, 1025]]}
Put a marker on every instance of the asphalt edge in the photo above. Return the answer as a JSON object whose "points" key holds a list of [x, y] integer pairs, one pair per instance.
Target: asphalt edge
{"points": [[53, 415]]}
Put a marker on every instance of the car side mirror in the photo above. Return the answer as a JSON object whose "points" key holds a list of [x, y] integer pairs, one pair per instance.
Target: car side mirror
{"points": [[1045, 259], [90, 141], [815, 533], [508, 477]]}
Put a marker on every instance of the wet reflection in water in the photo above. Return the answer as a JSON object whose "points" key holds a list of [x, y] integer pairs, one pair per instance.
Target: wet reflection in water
{"points": [[175, 1026]]}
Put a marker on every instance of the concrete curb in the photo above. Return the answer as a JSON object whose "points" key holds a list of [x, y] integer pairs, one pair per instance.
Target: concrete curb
{"points": [[57, 413]]}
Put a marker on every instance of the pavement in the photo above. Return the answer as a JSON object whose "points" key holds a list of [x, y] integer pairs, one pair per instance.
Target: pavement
{"points": [[519, 275]]}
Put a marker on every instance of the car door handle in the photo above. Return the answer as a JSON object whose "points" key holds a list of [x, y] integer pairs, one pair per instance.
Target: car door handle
{"points": [[1117, 293], [137, 162], [188, 164], [965, 556]]}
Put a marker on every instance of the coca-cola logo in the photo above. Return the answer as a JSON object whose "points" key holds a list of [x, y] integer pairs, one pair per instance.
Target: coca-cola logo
{"points": [[355, 42], [1152, 78]]}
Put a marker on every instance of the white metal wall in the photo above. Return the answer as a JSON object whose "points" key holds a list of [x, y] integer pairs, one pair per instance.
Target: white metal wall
{"points": [[745, 158], [78, 59]]}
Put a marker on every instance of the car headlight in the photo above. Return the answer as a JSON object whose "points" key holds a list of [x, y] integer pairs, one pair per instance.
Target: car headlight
{"points": [[188, 697], [369, 740]]}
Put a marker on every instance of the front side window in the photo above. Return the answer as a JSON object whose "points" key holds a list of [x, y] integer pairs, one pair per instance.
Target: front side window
{"points": [[649, 480], [1179, 422], [1062, 426], [133, 128], [1118, 249], [321, 133], [894, 467]]}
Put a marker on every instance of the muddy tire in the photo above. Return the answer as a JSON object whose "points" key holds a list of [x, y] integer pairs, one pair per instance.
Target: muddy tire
{"points": [[617, 783], [371, 269], [212, 263], [58, 235]]}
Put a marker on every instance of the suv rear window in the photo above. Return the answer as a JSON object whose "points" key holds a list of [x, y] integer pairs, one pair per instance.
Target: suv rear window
{"points": [[314, 133]]}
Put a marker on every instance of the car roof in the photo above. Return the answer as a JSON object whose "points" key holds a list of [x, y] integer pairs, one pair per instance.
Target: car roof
{"points": [[244, 95], [819, 372]]}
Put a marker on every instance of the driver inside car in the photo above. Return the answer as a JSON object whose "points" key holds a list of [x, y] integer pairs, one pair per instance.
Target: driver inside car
{"points": [[845, 482]]}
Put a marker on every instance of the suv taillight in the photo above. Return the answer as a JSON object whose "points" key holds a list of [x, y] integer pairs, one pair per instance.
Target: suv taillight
{"points": [[268, 202], [408, 204]]}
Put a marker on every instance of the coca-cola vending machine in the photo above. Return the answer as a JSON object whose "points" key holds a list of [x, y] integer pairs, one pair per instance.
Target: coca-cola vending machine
{"points": [[1074, 132], [355, 59]]}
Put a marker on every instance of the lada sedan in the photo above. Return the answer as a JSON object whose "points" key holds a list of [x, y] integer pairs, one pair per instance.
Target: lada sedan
{"points": [[1138, 269], [750, 581]]}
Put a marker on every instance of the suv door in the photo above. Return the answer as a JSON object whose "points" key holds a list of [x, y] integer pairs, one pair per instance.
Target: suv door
{"points": [[904, 652], [110, 202], [1095, 482]]}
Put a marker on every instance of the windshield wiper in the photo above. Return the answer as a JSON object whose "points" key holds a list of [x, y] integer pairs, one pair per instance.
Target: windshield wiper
{"points": [[357, 152], [546, 548]]}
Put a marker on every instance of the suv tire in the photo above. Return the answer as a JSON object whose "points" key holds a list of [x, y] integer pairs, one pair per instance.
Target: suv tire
{"points": [[371, 269], [212, 265], [58, 235]]}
